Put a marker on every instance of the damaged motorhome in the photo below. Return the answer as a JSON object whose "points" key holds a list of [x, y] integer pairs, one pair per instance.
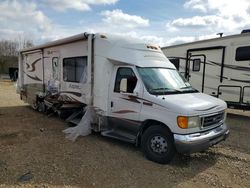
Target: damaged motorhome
{"points": [[137, 95]]}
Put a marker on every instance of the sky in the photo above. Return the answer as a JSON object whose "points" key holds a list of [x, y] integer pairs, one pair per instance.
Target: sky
{"points": [[163, 22]]}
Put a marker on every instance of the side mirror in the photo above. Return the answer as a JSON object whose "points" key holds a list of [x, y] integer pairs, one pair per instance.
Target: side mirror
{"points": [[123, 85]]}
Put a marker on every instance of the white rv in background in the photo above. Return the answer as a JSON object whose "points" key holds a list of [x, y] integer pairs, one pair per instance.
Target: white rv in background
{"points": [[138, 95], [219, 67]]}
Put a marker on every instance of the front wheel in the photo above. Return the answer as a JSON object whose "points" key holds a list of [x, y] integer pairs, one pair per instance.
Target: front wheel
{"points": [[158, 144]]}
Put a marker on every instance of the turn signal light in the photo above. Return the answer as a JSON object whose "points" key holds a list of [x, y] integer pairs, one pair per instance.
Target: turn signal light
{"points": [[182, 122]]}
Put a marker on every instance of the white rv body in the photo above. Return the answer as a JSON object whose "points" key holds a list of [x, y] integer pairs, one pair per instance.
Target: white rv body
{"points": [[219, 67], [116, 76]]}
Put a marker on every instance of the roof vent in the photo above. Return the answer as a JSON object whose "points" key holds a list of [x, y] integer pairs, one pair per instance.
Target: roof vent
{"points": [[245, 31]]}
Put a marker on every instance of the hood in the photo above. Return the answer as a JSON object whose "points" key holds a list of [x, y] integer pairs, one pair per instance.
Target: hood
{"points": [[192, 104]]}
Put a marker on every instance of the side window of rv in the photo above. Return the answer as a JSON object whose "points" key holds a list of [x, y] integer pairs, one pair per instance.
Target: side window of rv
{"points": [[242, 53], [75, 69], [127, 73], [196, 64], [176, 62]]}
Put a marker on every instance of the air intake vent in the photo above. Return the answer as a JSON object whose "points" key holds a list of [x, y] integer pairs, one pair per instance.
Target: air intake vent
{"points": [[245, 31]]}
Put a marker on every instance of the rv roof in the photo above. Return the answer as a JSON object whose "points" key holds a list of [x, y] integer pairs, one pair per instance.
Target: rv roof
{"points": [[82, 36], [208, 40]]}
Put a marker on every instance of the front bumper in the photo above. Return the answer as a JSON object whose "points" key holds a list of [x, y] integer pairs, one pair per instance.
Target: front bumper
{"points": [[200, 141]]}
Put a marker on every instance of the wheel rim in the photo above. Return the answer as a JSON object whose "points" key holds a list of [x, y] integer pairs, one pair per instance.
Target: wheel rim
{"points": [[159, 144]]}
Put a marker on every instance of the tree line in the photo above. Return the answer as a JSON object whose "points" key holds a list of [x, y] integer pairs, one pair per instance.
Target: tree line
{"points": [[11, 47], [9, 52]]}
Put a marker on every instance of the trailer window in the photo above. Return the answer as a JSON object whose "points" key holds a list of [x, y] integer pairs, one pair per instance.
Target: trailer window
{"points": [[75, 69], [242, 53], [196, 64], [128, 73]]}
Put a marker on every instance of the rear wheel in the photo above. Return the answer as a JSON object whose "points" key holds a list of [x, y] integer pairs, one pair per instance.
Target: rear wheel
{"points": [[158, 144]]}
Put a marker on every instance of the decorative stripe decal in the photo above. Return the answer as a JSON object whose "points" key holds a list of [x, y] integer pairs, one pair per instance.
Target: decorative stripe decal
{"points": [[239, 68], [237, 80], [147, 103], [124, 111], [33, 65], [33, 77], [232, 66], [27, 66], [219, 64], [131, 99]]}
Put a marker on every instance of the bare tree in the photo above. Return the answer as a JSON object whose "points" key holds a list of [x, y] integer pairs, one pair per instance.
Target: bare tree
{"points": [[24, 42], [11, 47], [8, 48], [9, 52]]}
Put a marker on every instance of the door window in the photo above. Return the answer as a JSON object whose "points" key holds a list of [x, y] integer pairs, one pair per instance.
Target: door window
{"points": [[127, 73], [196, 64]]}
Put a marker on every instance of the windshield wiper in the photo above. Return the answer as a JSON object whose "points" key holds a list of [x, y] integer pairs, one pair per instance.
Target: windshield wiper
{"points": [[160, 88], [186, 87], [165, 89]]}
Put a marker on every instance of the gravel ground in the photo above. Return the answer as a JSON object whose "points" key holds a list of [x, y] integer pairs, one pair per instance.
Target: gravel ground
{"points": [[35, 153]]}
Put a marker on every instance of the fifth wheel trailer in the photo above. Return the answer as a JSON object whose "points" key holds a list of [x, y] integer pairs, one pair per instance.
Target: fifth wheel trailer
{"points": [[219, 67], [137, 95]]}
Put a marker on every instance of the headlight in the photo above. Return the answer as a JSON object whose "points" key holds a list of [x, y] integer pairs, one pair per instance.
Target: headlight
{"points": [[185, 122]]}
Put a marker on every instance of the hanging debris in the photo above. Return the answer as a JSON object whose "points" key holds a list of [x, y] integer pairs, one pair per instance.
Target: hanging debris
{"points": [[83, 128]]}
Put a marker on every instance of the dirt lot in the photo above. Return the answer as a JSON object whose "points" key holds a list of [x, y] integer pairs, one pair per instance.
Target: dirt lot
{"points": [[35, 153]]}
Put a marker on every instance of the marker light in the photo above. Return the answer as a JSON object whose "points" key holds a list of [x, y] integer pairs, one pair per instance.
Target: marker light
{"points": [[182, 122]]}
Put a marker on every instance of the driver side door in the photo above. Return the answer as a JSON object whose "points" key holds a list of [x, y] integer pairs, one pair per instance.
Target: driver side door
{"points": [[125, 107]]}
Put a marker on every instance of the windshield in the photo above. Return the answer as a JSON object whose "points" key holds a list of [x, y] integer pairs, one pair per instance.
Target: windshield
{"points": [[162, 81]]}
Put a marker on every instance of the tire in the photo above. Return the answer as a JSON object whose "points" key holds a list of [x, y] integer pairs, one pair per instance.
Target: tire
{"points": [[158, 144], [41, 107], [35, 106]]}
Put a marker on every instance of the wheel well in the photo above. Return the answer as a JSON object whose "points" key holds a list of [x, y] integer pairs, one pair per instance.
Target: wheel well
{"points": [[146, 124]]}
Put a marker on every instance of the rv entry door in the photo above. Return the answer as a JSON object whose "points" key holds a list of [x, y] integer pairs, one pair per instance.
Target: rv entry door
{"points": [[196, 71], [52, 70]]}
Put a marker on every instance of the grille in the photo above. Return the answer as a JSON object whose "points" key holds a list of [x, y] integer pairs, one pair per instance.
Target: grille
{"points": [[213, 120]]}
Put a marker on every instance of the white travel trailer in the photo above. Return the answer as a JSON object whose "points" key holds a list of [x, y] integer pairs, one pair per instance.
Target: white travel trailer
{"points": [[137, 94], [219, 67]]}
